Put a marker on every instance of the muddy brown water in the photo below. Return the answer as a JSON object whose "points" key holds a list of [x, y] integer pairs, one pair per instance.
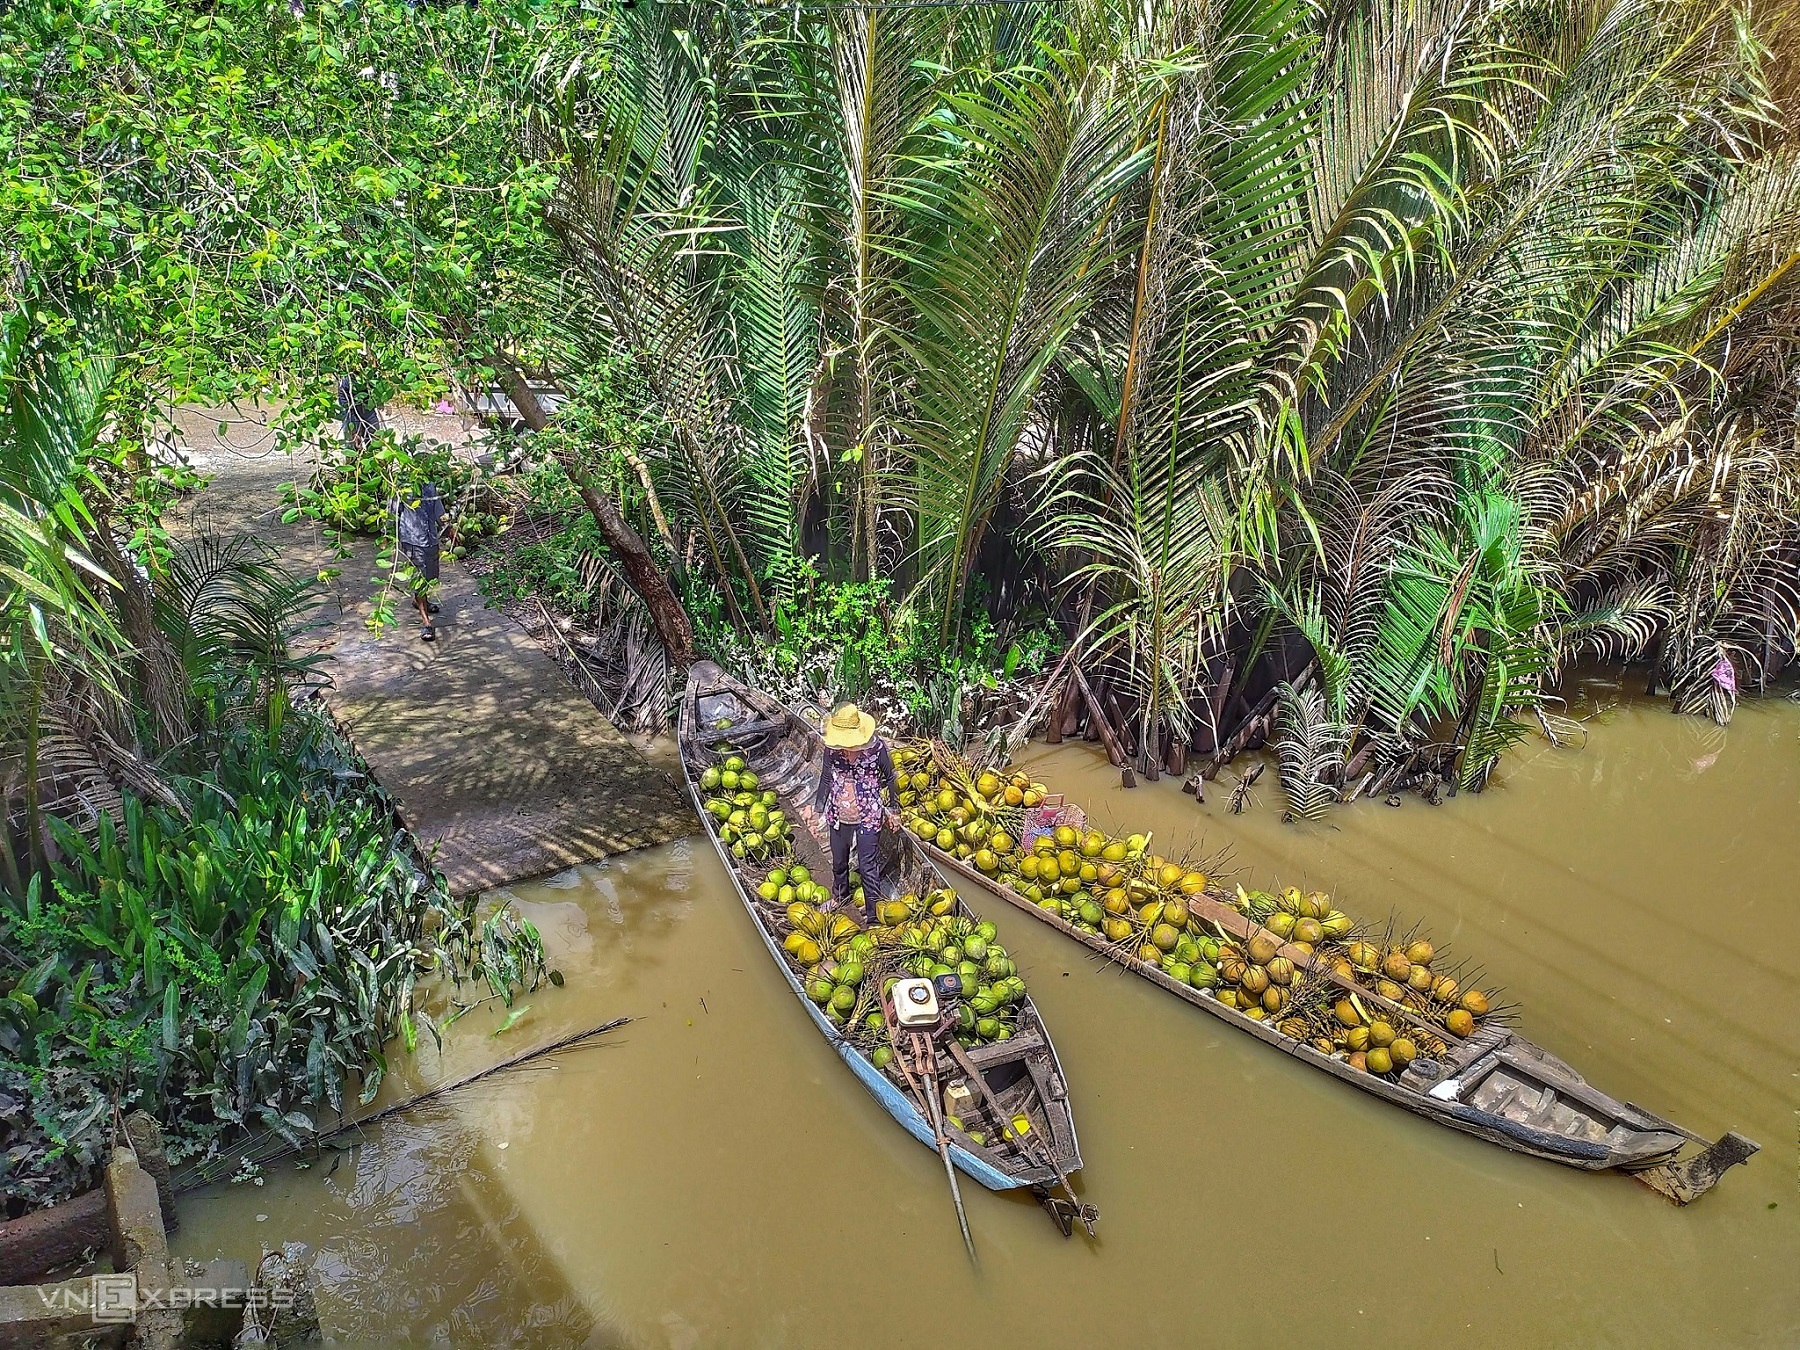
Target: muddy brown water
{"points": [[713, 1176]]}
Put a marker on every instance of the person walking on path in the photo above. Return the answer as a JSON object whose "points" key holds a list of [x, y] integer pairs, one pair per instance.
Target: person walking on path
{"points": [[416, 532], [858, 766]]}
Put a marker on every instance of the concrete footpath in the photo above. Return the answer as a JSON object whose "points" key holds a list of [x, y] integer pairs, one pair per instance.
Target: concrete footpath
{"points": [[499, 766]]}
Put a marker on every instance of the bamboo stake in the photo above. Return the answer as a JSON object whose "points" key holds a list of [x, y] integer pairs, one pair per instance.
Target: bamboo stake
{"points": [[1098, 716]]}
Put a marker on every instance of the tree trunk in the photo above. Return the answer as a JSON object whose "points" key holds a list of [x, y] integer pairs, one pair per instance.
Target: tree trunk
{"points": [[1097, 719], [520, 393], [646, 578]]}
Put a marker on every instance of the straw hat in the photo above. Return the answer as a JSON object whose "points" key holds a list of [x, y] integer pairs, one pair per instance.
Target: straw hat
{"points": [[849, 728]]}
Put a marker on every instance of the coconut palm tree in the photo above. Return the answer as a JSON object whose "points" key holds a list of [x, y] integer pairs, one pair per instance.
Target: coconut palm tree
{"points": [[1451, 339]]}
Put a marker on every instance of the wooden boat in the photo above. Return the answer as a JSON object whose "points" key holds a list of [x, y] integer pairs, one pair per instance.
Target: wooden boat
{"points": [[1495, 1085], [1021, 1075]]}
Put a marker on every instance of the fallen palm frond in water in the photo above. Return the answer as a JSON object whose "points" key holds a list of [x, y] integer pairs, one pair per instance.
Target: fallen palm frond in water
{"points": [[271, 1147]]}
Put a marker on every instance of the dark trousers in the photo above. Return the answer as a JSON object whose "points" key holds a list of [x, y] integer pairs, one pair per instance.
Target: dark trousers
{"points": [[866, 839]]}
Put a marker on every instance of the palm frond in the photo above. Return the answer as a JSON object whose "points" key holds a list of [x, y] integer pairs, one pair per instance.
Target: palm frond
{"points": [[1311, 747], [1012, 205]]}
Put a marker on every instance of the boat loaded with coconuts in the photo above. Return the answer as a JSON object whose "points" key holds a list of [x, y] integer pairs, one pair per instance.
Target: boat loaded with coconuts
{"points": [[1377, 1007], [924, 1007]]}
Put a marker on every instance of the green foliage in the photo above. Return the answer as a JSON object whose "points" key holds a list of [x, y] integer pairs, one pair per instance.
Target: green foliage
{"points": [[852, 640], [565, 569], [352, 489], [241, 962], [53, 606], [251, 198], [215, 913]]}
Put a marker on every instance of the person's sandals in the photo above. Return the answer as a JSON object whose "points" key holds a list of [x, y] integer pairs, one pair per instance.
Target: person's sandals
{"points": [[432, 607], [429, 634]]}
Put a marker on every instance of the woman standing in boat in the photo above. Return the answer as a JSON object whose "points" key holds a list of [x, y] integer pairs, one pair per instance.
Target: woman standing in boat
{"points": [[857, 767]]}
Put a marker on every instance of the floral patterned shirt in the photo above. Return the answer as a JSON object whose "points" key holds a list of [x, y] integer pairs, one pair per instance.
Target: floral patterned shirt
{"points": [[851, 782]]}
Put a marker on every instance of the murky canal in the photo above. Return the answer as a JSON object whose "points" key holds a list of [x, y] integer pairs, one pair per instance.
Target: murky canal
{"points": [[712, 1176]]}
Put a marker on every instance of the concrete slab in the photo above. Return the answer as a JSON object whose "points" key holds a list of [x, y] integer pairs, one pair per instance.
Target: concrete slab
{"points": [[50, 1316], [499, 766]]}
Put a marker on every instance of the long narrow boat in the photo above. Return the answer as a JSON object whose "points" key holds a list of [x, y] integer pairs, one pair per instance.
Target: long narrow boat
{"points": [[1495, 1084], [1022, 1075]]}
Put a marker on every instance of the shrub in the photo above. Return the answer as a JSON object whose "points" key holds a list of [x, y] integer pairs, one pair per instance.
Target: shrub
{"points": [[240, 963]]}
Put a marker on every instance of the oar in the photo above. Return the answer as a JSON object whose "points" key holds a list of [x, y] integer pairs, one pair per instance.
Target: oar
{"points": [[920, 1045], [922, 1048]]}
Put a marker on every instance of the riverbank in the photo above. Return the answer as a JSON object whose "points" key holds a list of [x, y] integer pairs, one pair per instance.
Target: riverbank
{"points": [[713, 1177], [502, 770]]}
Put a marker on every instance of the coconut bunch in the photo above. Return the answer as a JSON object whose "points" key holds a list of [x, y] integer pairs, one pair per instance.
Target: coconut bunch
{"points": [[1376, 1040], [1285, 973], [1141, 896], [931, 939], [1117, 889], [1309, 922], [1414, 1001], [975, 815], [831, 952], [1407, 969], [751, 822], [472, 513]]}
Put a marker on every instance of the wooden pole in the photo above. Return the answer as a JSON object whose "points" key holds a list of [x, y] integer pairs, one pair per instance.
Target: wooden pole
{"points": [[1115, 756]]}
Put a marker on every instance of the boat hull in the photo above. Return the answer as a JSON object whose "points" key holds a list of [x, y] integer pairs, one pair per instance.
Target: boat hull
{"points": [[1040, 1065], [891, 1099], [1645, 1148]]}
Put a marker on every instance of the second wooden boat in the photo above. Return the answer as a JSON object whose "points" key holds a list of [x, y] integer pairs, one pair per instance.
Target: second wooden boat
{"points": [[1494, 1084]]}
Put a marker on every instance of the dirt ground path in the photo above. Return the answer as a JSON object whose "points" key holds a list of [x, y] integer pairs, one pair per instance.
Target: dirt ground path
{"points": [[500, 767]]}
